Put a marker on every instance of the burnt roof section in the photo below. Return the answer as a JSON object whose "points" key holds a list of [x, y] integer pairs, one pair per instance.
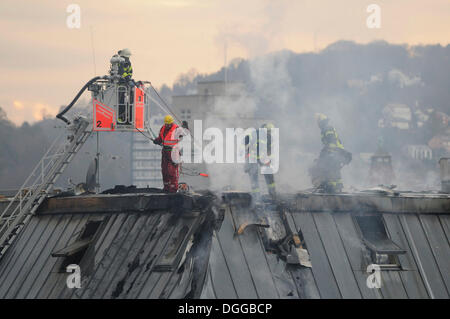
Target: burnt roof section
{"points": [[242, 268], [181, 245], [116, 203], [145, 251]]}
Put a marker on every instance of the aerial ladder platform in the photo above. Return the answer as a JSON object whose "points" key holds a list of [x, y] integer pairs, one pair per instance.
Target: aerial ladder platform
{"points": [[117, 106]]}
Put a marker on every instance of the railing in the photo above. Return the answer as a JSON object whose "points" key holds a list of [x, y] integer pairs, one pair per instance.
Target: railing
{"points": [[40, 182], [122, 108]]}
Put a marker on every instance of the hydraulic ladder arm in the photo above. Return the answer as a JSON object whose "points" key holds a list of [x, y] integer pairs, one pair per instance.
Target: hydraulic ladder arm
{"points": [[41, 181]]}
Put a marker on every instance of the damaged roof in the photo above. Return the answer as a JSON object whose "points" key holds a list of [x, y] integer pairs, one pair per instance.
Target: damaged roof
{"points": [[134, 253], [189, 246], [241, 268]]}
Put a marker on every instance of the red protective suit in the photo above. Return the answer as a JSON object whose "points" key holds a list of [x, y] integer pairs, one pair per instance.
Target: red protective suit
{"points": [[169, 169], [170, 172]]}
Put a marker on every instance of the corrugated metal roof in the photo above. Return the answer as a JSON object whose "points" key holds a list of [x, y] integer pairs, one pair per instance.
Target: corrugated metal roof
{"points": [[140, 252], [121, 262], [241, 268]]}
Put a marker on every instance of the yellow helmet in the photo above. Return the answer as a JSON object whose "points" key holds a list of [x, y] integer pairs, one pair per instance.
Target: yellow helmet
{"points": [[320, 117], [268, 126], [168, 119]]}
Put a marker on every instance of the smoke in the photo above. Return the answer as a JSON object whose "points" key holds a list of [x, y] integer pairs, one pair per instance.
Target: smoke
{"points": [[288, 89], [364, 85], [395, 77], [273, 98], [351, 85], [256, 37], [269, 97]]}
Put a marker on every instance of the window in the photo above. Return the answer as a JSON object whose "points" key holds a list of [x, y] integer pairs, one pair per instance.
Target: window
{"points": [[383, 251], [74, 253], [185, 114]]}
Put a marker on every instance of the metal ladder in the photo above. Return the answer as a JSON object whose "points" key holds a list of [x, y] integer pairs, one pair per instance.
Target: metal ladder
{"points": [[41, 181]]}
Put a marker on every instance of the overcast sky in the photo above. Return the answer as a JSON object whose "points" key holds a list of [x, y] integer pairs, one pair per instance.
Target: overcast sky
{"points": [[44, 63]]}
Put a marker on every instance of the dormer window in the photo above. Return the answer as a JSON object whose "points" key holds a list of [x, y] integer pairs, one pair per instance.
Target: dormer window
{"points": [[383, 251], [74, 253]]}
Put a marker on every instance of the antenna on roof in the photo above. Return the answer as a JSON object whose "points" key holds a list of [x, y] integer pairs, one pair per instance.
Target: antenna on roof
{"points": [[91, 175]]}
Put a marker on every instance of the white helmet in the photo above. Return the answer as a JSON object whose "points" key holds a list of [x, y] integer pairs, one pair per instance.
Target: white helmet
{"points": [[125, 53]]}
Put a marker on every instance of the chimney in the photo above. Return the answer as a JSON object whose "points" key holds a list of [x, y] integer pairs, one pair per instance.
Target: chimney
{"points": [[444, 164]]}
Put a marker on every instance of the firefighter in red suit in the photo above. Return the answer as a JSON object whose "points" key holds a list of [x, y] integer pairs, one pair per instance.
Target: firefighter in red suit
{"points": [[168, 138]]}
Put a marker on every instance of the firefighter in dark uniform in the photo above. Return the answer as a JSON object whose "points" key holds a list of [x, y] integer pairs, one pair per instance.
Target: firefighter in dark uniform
{"points": [[326, 173], [252, 168], [125, 68]]}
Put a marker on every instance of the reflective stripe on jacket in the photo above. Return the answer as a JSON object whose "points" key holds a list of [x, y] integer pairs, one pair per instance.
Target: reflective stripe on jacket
{"points": [[169, 139], [127, 71], [253, 146], [330, 138]]}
